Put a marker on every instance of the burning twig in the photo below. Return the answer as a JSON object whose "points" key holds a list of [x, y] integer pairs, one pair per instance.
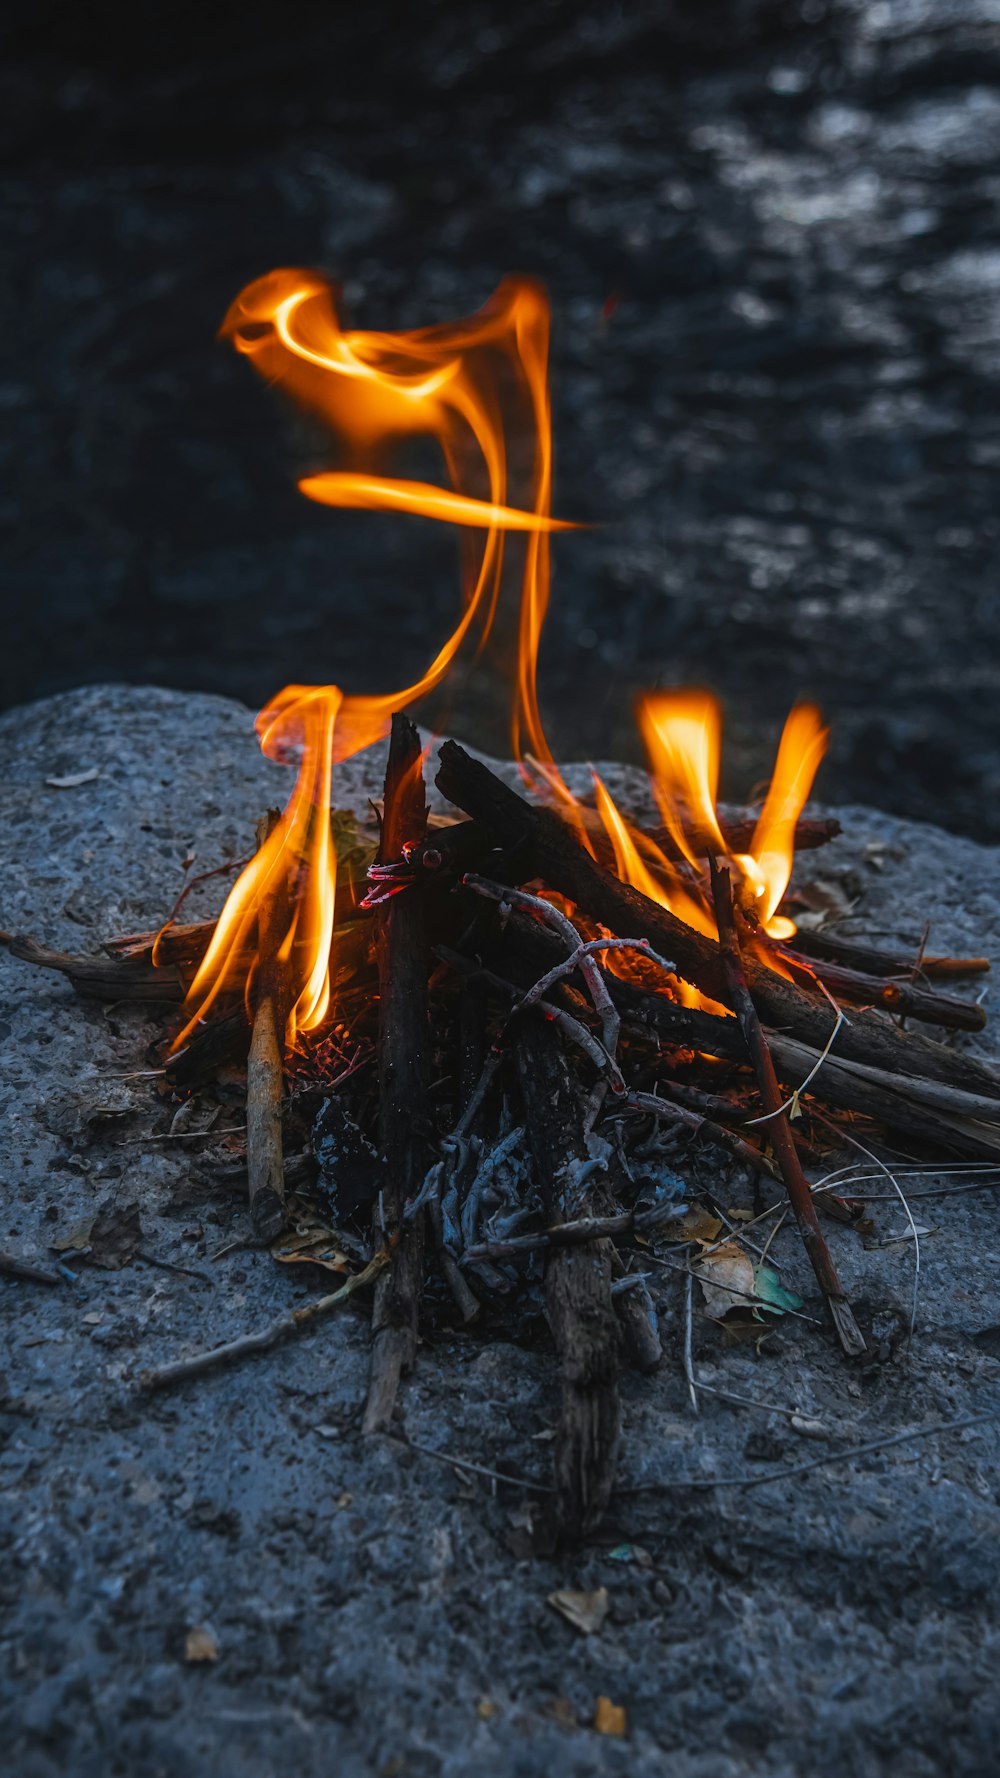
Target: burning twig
{"points": [[546, 847], [796, 1184], [404, 1078], [265, 1063]]}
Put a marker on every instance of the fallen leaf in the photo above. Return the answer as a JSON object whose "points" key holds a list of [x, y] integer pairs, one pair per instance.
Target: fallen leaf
{"points": [[585, 1611], [200, 1645], [697, 1224], [73, 779], [772, 1293], [609, 1719], [631, 1552], [115, 1236], [727, 1279], [736, 1213], [314, 1247]]}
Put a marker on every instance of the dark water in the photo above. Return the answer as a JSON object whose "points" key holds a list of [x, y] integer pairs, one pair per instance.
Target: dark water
{"points": [[788, 423]]}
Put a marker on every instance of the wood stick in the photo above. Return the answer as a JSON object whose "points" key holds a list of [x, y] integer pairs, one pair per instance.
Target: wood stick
{"points": [[544, 846], [104, 978], [905, 999], [796, 1184], [577, 1287], [11, 1266], [953, 1119], [404, 1078], [183, 1369], [265, 1062], [872, 960]]}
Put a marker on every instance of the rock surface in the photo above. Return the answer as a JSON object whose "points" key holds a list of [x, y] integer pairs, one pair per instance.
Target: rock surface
{"points": [[363, 1610]]}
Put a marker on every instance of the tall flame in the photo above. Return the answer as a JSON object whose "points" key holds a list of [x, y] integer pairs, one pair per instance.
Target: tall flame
{"points": [[682, 731], [461, 383]]}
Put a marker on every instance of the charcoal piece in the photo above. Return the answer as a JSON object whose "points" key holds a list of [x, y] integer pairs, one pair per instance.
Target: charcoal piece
{"points": [[347, 1161]]}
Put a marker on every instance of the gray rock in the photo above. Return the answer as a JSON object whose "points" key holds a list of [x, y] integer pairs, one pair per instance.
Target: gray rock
{"points": [[370, 1608]]}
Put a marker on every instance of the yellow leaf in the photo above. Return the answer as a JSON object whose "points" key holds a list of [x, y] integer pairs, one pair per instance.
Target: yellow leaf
{"points": [[585, 1611], [697, 1224], [200, 1645], [609, 1719]]}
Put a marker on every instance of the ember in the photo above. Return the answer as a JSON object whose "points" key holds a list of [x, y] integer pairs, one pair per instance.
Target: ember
{"points": [[548, 984]]}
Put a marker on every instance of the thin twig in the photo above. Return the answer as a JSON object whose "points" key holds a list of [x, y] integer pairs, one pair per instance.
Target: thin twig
{"points": [[452, 1461], [796, 1469], [849, 1334], [688, 1341], [166, 1375], [13, 1267]]}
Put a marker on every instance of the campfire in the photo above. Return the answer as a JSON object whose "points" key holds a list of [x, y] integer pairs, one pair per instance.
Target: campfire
{"points": [[495, 1039]]}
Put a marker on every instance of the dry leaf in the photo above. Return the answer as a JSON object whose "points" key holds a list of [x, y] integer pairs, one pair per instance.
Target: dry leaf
{"points": [[585, 1611], [726, 1278], [697, 1224], [109, 1238], [73, 779], [200, 1645], [314, 1247], [609, 1719]]}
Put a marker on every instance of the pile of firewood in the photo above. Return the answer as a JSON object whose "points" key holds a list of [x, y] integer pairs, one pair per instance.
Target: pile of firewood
{"points": [[537, 1083]]}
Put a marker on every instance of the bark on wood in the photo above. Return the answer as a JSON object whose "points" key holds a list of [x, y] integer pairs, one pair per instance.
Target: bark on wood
{"points": [[577, 1288], [873, 960], [904, 999], [404, 1079], [547, 848]]}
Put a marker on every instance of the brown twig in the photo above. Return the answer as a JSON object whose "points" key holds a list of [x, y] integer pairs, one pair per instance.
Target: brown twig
{"points": [[183, 1369], [796, 1183], [265, 1063], [544, 846], [404, 1079]]}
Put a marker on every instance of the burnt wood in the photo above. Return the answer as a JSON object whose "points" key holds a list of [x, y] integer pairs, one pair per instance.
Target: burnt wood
{"points": [[548, 849], [404, 1072], [577, 1286]]}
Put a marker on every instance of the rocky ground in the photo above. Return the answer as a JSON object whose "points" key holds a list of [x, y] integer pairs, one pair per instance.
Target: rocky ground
{"points": [[372, 1611], [769, 232]]}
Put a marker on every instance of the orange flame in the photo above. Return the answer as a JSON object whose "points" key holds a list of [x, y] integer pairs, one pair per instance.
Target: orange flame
{"points": [[682, 731], [800, 751], [451, 383], [298, 855], [447, 382]]}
